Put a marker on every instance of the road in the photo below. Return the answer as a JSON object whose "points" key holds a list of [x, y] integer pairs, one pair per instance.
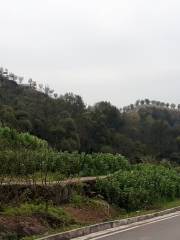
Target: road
{"points": [[161, 229]]}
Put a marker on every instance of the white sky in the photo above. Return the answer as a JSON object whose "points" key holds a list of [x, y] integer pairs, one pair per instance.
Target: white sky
{"points": [[111, 50]]}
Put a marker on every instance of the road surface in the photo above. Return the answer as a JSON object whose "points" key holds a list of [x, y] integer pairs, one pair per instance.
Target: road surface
{"points": [[160, 229]]}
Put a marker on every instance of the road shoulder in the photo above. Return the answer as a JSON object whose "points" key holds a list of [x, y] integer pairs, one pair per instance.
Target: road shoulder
{"points": [[97, 230]]}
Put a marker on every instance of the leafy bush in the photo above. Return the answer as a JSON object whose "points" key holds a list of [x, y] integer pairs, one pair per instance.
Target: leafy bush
{"points": [[71, 164], [141, 186], [10, 138], [24, 155], [78, 200]]}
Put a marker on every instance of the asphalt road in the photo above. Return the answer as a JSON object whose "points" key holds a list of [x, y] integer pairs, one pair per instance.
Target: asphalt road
{"points": [[168, 229]]}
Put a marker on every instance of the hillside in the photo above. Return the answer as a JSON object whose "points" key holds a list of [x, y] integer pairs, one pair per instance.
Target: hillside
{"points": [[34, 198], [145, 131]]}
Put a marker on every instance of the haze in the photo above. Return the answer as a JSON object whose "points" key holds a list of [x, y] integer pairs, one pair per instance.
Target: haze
{"points": [[110, 50]]}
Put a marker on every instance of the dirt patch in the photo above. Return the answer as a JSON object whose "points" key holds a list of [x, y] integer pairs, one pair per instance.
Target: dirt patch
{"points": [[20, 226], [90, 215], [23, 226]]}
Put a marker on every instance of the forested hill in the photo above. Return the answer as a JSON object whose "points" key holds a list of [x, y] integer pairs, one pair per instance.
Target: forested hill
{"points": [[145, 131]]}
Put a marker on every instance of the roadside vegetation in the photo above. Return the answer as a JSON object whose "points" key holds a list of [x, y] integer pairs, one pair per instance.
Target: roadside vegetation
{"points": [[36, 207], [141, 187], [24, 157], [44, 138]]}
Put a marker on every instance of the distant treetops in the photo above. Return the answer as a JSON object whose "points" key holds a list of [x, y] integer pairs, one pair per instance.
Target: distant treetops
{"points": [[140, 103], [148, 103], [144, 130], [30, 83]]}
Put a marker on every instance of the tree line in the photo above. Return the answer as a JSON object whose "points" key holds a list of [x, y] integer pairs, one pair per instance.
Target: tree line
{"points": [[150, 103], [144, 131], [29, 83]]}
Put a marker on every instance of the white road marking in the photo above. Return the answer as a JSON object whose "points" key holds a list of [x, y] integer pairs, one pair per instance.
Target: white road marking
{"points": [[117, 230]]}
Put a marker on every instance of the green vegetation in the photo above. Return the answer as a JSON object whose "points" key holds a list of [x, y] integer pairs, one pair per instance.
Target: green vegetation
{"points": [[46, 138], [144, 131], [79, 200], [27, 157], [140, 187], [58, 220], [55, 214], [51, 217]]}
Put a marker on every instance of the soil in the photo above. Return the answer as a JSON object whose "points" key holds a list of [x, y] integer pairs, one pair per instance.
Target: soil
{"points": [[23, 226], [34, 225], [90, 215]]}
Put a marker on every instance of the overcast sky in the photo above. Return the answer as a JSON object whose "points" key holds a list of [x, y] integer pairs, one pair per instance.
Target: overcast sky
{"points": [[110, 50]]}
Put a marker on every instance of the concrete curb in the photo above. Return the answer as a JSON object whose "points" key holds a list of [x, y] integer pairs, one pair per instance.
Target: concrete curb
{"points": [[106, 225]]}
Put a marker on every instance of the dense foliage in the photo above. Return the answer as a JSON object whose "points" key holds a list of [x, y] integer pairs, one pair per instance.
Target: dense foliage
{"points": [[146, 130], [45, 137], [141, 186], [24, 155]]}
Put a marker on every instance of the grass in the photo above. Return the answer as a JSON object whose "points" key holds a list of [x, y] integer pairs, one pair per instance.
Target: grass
{"points": [[64, 222], [175, 203], [50, 217], [160, 206], [79, 201], [52, 213]]}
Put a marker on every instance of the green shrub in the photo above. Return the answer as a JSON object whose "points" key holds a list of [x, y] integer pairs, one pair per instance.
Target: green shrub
{"points": [[10, 138], [75, 164], [79, 200], [24, 155], [141, 186]]}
